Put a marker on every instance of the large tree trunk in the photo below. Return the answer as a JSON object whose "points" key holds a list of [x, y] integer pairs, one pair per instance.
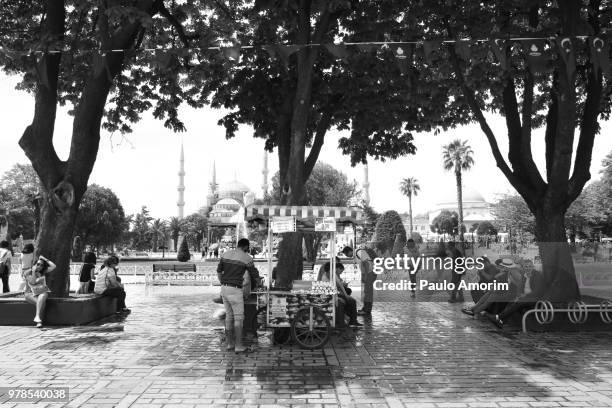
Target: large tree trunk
{"points": [[559, 277], [65, 182], [54, 241], [290, 259]]}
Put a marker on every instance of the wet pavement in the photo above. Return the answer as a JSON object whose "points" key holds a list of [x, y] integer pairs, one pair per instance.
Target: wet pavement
{"points": [[169, 352]]}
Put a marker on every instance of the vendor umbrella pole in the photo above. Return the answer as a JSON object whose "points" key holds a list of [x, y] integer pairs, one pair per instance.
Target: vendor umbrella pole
{"points": [[270, 245], [333, 272]]}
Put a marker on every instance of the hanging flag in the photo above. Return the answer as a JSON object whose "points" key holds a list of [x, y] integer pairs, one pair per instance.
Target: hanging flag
{"points": [[41, 70], [339, 51], [162, 59], [536, 55], [13, 55], [600, 55], [462, 48], [285, 51], [270, 49], [232, 54], [100, 66], [367, 47], [499, 49], [129, 53], [403, 56], [431, 49], [567, 52]]}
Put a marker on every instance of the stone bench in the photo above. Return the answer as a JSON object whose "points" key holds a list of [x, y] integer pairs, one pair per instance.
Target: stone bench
{"points": [[70, 311], [178, 274], [174, 267]]}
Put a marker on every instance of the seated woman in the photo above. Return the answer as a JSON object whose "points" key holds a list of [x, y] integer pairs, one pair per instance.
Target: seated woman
{"points": [[87, 281], [537, 289], [487, 274], [346, 303], [36, 290], [109, 284]]}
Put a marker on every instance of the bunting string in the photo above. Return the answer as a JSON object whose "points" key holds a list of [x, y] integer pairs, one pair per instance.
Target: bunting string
{"points": [[538, 52], [423, 43]]}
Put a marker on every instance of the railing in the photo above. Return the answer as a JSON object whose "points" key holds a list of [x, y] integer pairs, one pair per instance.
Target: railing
{"points": [[577, 312], [599, 274], [181, 278]]}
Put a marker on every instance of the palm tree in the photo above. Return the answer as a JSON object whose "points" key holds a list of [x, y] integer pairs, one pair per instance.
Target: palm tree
{"points": [[458, 156], [159, 230], [410, 187], [175, 227]]}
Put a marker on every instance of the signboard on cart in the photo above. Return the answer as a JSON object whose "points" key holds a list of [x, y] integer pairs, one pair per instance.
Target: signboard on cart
{"points": [[283, 224], [277, 311], [325, 224]]}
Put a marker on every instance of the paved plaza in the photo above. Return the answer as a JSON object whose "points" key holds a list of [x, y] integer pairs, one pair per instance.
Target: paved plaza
{"points": [[168, 352]]}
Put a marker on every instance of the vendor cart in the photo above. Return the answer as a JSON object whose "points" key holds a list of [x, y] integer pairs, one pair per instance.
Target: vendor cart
{"points": [[306, 312]]}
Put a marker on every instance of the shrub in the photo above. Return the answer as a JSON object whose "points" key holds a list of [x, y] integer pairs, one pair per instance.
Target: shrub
{"points": [[183, 253], [388, 226], [486, 228]]}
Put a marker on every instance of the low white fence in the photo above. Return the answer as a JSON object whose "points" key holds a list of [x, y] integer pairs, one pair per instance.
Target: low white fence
{"points": [[593, 274]]}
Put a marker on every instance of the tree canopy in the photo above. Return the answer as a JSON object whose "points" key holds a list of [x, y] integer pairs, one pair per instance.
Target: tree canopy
{"points": [[101, 220], [19, 190], [326, 186], [313, 85], [445, 223]]}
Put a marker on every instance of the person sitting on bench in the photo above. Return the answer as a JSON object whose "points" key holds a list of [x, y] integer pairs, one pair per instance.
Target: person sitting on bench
{"points": [[109, 284], [507, 271], [36, 291], [346, 303], [538, 289]]}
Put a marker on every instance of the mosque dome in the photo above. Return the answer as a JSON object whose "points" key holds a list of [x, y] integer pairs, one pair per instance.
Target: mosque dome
{"points": [[234, 190], [470, 195]]}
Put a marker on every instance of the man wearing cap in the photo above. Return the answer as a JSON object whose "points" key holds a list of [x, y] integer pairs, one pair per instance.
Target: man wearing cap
{"points": [[509, 272]]}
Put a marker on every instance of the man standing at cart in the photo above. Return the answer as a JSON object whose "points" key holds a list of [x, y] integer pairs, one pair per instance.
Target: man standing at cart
{"points": [[231, 269], [365, 256]]}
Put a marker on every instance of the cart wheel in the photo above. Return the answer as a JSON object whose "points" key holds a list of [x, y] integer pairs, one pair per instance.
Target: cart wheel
{"points": [[259, 319], [310, 330], [281, 335]]}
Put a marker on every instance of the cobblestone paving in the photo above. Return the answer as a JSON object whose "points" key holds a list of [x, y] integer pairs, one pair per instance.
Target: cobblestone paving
{"points": [[168, 352]]}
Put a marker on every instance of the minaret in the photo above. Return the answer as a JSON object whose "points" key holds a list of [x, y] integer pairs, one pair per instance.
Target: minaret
{"points": [[213, 183], [264, 186], [181, 186], [366, 184]]}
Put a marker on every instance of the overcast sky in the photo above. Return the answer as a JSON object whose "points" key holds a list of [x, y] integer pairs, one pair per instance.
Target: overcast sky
{"points": [[142, 167]]}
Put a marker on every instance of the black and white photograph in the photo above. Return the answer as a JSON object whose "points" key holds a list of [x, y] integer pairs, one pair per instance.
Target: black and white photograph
{"points": [[306, 203]]}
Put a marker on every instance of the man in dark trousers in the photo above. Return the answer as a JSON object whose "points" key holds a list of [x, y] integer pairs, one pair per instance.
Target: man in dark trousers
{"points": [[368, 277], [453, 252], [230, 270]]}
